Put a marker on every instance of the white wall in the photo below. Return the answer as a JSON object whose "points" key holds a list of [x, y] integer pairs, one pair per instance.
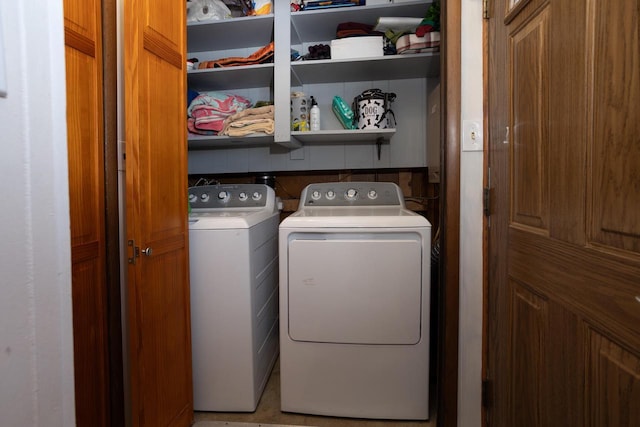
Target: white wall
{"points": [[471, 173], [36, 337]]}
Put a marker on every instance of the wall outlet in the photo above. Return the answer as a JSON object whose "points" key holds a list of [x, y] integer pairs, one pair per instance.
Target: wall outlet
{"points": [[472, 135]]}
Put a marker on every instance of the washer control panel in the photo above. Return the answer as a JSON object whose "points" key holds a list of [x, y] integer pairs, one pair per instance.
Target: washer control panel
{"points": [[229, 196], [352, 194]]}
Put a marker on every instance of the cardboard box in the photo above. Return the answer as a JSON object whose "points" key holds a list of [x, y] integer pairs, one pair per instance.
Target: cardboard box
{"points": [[357, 47]]}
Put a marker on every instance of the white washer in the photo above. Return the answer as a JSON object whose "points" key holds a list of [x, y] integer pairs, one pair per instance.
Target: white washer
{"points": [[233, 258], [354, 304]]}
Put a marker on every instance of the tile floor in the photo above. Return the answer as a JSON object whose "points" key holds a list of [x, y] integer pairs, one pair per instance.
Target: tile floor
{"points": [[268, 414]]}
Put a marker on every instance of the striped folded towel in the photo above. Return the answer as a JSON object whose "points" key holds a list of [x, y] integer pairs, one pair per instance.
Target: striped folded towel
{"points": [[411, 43]]}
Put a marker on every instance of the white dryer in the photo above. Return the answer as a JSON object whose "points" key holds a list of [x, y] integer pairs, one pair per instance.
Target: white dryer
{"points": [[233, 258], [354, 304]]}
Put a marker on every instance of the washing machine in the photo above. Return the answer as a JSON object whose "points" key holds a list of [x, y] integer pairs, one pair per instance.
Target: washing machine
{"points": [[354, 304], [233, 259]]}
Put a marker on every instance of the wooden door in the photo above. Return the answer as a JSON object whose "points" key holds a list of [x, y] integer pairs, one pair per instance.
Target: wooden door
{"points": [[563, 344], [83, 56], [156, 198]]}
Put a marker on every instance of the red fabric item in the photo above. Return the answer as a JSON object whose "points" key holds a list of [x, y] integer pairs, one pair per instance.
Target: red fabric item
{"points": [[424, 29]]}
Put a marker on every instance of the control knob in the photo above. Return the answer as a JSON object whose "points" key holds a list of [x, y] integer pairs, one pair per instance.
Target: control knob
{"points": [[243, 196], [204, 197], [223, 195], [256, 195], [331, 194], [351, 193], [315, 195]]}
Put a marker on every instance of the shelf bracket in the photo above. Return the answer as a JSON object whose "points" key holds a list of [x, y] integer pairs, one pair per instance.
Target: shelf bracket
{"points": [[379, 145]]}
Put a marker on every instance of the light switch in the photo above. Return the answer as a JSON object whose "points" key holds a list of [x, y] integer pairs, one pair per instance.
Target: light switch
{"points": [[3, 75], [471, 135]]}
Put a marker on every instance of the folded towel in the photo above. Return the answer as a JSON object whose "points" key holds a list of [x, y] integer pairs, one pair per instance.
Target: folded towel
{"points": [[411, 43], [217, 101], [209, 110], [266, 126], [354, 29], [261, 56], [249, 121], [191, 127]]}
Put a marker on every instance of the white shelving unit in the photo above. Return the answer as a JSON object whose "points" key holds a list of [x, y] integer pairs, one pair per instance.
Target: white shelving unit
{"points": [[377, 68], [231, 37], [224, 35], [409, 75], [320, 24], [319, 27]]}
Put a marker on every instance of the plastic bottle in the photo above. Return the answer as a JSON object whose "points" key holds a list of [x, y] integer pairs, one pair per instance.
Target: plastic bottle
{"points": [[314, 115]]}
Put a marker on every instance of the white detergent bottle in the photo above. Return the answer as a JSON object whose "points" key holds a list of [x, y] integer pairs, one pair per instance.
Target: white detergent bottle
{"points": [[314, 115]]}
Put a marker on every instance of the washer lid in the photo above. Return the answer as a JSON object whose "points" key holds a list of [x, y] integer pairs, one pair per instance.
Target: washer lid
{"points": [[217, 219]]}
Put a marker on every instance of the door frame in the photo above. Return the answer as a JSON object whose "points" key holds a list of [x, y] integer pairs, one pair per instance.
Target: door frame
{"points": [[112, 216], [447, 339], [448, 303]]}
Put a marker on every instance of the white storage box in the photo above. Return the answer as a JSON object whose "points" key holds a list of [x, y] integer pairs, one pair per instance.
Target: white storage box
{"points": [[357, 47]]}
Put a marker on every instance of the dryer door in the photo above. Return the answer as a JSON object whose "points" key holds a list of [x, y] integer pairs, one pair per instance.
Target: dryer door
{"points": [[356, 288]]}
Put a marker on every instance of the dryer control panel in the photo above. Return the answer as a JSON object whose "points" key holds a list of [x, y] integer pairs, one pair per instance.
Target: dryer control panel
{"points": [[352, 194], [230, 196]]}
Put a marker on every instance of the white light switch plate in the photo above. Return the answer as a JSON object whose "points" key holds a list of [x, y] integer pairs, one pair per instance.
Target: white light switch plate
{"points": [[472, 135], [3, 76]]}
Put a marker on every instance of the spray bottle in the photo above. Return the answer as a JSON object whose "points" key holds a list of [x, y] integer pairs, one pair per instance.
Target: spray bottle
{"points": [[314, 115]]}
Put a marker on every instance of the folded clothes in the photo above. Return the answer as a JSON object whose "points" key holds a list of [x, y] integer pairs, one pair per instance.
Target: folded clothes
{"points": [[191, 127], [266, 126], [219, 101], [354, 29], [209, 110], [250, 121], [261, 56], [411, 43]]}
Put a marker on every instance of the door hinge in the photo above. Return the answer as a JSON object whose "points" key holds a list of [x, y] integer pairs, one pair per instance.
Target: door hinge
{"points": [[487, 393], [135, 252], [485, 9], [486, 201]]}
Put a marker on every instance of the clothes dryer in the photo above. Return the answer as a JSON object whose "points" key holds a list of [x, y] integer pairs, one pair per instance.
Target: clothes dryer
{"points": [[354, 304], [233, 258]]}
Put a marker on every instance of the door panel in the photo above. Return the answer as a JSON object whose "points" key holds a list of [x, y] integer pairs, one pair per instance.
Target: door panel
{"points": [[163, 196], [616, 91], [80, 17], [564, 287], [156, 198], [529, 337], [529, 74], [613, 388], [162, 29], [83, 59]]}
